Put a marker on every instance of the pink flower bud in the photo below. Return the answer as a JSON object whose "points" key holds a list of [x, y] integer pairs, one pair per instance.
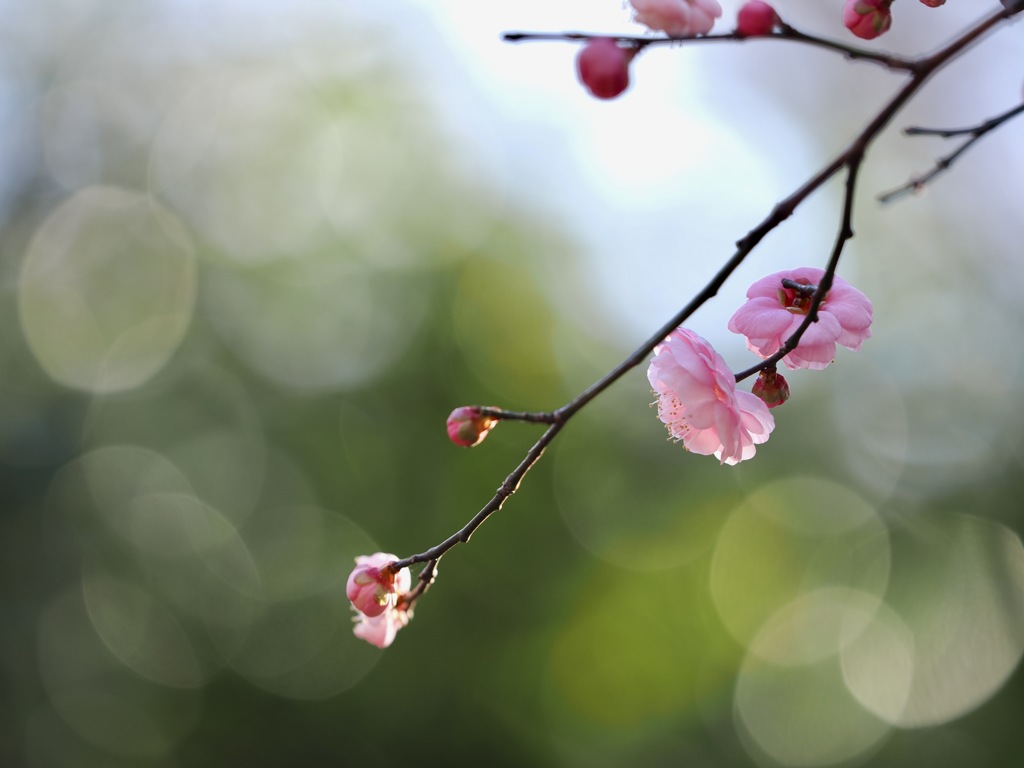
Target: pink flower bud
{"points": [[372, 586], [867, 19], [603, 67], [933, 3], [756, 18], [468, 426], [771, 387]]}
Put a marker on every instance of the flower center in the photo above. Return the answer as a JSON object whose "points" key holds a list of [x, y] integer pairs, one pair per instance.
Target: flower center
{"points": [[797, 296]]}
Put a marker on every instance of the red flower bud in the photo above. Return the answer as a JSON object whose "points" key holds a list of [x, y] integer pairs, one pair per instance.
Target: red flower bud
{"points": [[771, 387], [756, 18], [603, 67]]}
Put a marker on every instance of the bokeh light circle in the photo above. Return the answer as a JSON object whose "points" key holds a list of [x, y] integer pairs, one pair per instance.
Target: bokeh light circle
{"points": [[107, 290], [301, 644], [790, 538], [203, 421], [955, 631], [316, 326], [269, 167], [870, 414], [802, 715], [105, 703], [141, 632], [815, 625]]}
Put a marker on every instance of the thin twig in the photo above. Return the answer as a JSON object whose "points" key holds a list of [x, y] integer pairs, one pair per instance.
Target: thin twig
{"points": [[535, 417], [918, 183], [785, 32], [506, 489]]}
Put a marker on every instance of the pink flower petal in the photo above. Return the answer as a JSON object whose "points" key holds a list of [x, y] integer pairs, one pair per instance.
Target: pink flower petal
{"points": [[698, 401], [381, 630], [677, 18], [773, 313], [816, 357]]}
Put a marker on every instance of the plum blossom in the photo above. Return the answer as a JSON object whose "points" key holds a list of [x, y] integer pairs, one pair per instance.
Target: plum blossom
{"points": [[603, 67], [376, 592], [677, 18], [699, 403], [773, 312], [373, 586], [867, 19]]}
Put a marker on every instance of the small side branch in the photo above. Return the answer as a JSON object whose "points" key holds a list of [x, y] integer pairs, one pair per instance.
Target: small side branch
{"points": [[844, 235], [918, 183], [534, 417]]}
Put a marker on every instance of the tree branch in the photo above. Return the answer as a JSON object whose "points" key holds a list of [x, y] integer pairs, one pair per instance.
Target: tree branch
{"points": [[851, 159], [785, 32], [918, 183]]}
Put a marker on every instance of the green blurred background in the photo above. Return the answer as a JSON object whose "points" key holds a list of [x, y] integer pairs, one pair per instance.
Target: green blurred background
{"points": [[251, 257]]}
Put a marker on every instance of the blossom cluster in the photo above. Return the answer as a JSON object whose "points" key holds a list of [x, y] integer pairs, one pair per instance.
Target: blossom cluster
{"points": [[697, 401], [697, 397], [377, 594], [603, 63]]}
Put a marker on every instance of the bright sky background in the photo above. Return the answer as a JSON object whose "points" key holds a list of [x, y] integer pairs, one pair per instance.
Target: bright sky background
{"points": [[635, 176], [663, 180]]}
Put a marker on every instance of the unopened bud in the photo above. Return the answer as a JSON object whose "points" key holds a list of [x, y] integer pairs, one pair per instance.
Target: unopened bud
{"points": [[867, 19], [603, 67], [771, 387], [756, 18], [468, 426]]}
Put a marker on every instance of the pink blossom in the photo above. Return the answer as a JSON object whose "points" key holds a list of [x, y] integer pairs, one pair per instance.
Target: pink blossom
{"points": [[677, 18], [373, 587], [699, 403], [381, 630], [867, 19], [467, 426], [756, 18], [773, 313], [933, 3], [603, 67]]}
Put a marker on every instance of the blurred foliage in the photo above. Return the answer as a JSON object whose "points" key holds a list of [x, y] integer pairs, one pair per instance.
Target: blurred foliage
{"points": [[246, 277]]}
